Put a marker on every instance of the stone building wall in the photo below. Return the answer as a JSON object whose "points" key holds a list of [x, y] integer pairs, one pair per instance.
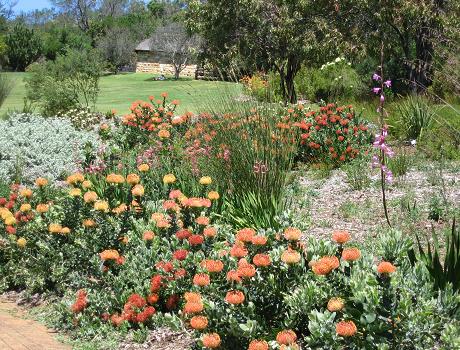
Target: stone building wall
{"points": [[148, 62]]}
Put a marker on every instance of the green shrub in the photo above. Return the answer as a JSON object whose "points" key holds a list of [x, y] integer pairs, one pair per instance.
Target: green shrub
{"points": [[6, 85], [71, 81], [415, 116], [400, 163], [24, 47], [333, 81]]}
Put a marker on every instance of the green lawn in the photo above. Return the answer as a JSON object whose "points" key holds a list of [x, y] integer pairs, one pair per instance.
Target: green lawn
{"points": [[119, 91]]}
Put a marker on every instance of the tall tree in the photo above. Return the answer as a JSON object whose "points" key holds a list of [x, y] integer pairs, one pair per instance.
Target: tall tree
{"points": [[79, 10], [24, 47], [275, 35]]}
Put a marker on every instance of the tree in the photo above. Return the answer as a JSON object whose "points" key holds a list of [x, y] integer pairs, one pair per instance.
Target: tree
{"points": [[79, 10], [176, 43], [24, 47], [412, 33], [275, 35], [117, 47]]}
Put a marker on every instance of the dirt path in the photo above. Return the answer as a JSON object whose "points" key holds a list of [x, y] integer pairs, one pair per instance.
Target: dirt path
{"points": [[18, 333]]}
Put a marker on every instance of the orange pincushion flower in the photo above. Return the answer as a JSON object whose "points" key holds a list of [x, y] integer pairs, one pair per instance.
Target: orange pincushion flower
{"points": [[213, 265], [233, 276], [335, 304], [42, 208], [246, 270], [164, 134], [201, 279], [245, 235], [351, 254], [25, 207], [290, 256], [193, 307], [163, 223], [41, 181], [238, 251], [170, 205], [211, 340], [89, 223], [213, 195], [341, 237], [258, 345], [143, 167], [158, 216], [259, 240], [90, 197], [86, 184], [138, 190], [321, 268], [133, 179], [234, 297], [332, 261], [65, 230], [210, 232], [386, 267], [183, 234], [26, 193], [148, 235], [261, 260], [202, 220], [101, 206], [346, 328], [286, 337], [192, 297], [199, 322], [109, 254], [75, 178], [115, 179], [292, 234]]}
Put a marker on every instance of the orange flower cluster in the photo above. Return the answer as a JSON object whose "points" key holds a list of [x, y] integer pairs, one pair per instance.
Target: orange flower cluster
{"points": [[385, 268], [81, 302], [346, 328], [234, 297], [325, 265], [286, 337]]}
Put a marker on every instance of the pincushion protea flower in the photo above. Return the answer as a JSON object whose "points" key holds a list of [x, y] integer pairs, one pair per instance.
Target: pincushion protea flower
{"points": [[286, 337], [385, 268], [346, 328], [199, 322], [211, 340]]}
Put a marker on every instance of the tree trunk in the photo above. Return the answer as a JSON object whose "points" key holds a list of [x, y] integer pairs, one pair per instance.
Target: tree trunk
{"points": [[282, 83], [293, 67], [176, 72]]}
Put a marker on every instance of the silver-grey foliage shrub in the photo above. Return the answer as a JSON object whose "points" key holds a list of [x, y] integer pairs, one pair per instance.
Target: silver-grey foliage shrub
{"points": [[35, 146]]}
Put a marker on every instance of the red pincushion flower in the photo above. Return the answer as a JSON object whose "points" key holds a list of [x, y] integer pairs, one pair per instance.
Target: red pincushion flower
{"points": [[81, 302], [172, 301], [180, 254], [153, 298], [183, 234], [196, 240], [156, 283]]}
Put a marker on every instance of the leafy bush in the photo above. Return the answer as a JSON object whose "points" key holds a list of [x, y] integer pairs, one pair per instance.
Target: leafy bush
{"points": [[33, 146], [400, 163], [82, 118], [24, 47], [415, 116], [333, 81], [331, 135], [71, 81], [257, 86]]}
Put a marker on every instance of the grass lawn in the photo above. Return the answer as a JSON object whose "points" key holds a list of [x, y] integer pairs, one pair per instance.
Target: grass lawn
{"points": [[119, 91]]}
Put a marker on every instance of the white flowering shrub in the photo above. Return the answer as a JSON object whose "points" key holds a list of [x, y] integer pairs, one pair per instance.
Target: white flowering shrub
{"points": [[82, 118], [32, 146]]}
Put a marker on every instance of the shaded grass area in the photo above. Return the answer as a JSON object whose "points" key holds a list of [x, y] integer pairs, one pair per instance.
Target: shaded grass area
{"points": [[119, 91]]}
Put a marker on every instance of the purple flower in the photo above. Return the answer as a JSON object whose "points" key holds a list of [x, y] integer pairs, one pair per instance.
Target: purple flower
{"points": [[382, 98], [387, 83], [376, 77], [376, 90]]}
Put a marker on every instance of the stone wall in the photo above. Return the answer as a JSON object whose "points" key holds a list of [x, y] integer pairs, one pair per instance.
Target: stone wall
{"points": [[147, 62]]}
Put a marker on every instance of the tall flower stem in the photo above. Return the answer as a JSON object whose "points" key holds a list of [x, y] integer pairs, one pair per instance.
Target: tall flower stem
{"points": [[382, 125]]}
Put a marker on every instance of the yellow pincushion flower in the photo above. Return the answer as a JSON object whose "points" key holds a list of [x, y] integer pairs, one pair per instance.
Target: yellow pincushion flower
{"points": [[89, 223], [205, 180], [26, 192], [41, 182], [55, 228], [21, 242], [90, 197], [101, 206], [133, 179], [10, 220], [213, 195], [75, 192], [4, 213], [75, 178], [115, 179], [42, 208], [86, 184], [143, 167], [138, 190], [65, 231], [169, 179], [25, 207]]}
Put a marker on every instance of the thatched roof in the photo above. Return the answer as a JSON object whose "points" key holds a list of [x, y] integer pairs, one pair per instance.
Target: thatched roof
{"points": [[144, 45]]}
